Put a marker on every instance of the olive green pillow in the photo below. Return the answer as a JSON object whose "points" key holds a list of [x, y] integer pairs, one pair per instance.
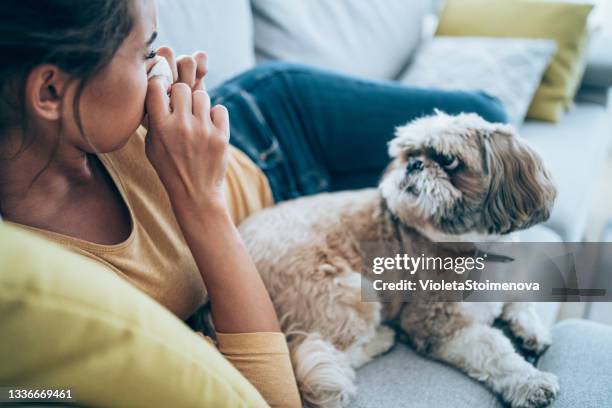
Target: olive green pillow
{"points": [[68, 322], [566, 23]]}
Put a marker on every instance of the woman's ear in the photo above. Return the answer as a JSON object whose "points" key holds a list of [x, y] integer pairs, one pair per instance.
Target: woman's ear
{"points": [[44, 92]]}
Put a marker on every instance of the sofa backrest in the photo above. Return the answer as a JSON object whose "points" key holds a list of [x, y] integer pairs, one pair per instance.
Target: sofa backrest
{"points": [[373, 39], [222, 28]]}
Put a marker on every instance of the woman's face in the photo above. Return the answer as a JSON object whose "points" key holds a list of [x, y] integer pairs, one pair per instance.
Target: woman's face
{"points": [[112, 103]]}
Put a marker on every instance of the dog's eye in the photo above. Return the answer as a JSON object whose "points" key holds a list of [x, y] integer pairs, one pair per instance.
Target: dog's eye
{"points": [[448, 162]]}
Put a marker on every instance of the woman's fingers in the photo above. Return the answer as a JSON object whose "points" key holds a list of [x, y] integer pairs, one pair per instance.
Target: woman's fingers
{"points": [[220, 118], [186, 66], [168, 54], [156, 101], [201, 104], [201, 60], [180, 98], [189, 69]]}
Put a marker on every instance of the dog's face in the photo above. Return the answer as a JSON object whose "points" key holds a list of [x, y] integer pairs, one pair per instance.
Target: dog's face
{"points": [[459, 175]]}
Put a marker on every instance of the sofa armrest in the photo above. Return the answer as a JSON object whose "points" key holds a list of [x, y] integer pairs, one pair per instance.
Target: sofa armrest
{"points": [[598, 71]]}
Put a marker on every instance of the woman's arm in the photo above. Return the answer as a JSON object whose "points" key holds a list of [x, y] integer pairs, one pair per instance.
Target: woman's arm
{"points": [[187, 145], [239, 301]]}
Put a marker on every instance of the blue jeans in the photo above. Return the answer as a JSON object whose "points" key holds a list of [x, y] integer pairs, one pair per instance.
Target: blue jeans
{"points": [[311, 131]]}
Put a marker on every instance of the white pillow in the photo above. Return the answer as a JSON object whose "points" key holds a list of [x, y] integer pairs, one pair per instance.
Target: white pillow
{"points": [[224, 29], [510, 69], [373, 39]]}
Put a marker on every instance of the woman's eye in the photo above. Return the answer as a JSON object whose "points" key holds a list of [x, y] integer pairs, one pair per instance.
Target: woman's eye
{"points": [[150, 54]]}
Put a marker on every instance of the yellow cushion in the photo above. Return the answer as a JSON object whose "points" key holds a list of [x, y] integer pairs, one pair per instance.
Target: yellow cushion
{"points": [[565, 23], [66, 321]]}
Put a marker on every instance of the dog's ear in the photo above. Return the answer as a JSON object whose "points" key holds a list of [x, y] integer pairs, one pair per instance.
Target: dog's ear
{"points": [[521, 192]]}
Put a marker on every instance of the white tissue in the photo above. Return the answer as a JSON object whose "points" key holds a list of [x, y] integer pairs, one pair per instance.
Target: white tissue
{"points": [[162, 69]]}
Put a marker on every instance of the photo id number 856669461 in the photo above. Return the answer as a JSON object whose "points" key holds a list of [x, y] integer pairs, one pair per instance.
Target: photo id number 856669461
{"points": [[25, 394]]}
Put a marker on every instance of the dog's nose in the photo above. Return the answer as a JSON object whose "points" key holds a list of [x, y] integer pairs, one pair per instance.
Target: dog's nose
{"points": [[414, 165]]}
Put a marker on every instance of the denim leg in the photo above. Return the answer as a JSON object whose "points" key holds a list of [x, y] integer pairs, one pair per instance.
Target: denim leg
{"points": [[311, 130]]}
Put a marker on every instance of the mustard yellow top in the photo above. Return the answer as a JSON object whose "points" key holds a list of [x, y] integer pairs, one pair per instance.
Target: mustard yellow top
{"points": [[156, 259]]}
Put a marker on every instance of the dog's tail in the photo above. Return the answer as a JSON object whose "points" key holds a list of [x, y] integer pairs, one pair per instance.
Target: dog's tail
{"points": [[324, 374]]}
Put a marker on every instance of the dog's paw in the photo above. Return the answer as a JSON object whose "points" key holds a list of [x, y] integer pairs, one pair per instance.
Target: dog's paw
{"points": [[536, 390], [381, 342], [536, 344], [534, 337], [365, 350]]}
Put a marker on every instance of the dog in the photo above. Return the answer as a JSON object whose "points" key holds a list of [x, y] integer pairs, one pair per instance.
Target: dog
{"points": [[452, 178]]}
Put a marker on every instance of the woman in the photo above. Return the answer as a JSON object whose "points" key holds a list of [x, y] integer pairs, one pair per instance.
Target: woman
{"points": [[75, 165]]}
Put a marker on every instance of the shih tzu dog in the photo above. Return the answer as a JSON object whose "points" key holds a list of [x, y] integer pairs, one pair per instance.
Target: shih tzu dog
{"points": [[452, 178]]}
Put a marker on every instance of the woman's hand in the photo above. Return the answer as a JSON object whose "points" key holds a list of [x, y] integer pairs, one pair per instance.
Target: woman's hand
{"points": [[187, 145], [187, 140], [190, 69]]}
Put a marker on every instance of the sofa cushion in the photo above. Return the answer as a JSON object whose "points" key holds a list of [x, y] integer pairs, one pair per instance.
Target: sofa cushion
{"points": [[574, 150], [360, 37], [403, 378], [67, 321], [510, 69], [224, 29], [563, 22], [581, 356]]}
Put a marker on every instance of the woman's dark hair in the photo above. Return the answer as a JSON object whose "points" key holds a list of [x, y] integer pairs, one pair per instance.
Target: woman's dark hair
{"points": [[79, 36]]}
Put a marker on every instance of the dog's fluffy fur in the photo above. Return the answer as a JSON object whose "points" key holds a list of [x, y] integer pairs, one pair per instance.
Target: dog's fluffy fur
{"points": [[452, 178]]}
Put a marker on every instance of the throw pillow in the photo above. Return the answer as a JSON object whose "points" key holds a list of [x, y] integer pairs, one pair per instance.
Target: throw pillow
{"points": [[509, 69], [566, 23], [68, 322]]}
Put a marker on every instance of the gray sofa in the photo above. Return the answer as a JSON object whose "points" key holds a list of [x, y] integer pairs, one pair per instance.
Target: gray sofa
{"points": [[376, 40], [581, 356]]}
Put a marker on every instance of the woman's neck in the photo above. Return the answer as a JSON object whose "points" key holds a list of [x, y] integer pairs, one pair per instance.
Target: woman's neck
{"points": [[37, 182]]}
